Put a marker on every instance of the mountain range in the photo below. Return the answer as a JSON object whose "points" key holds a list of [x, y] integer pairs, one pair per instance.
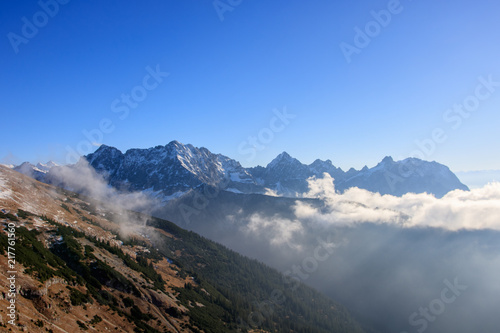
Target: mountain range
{"points": [[171, 170], [177, 168]]}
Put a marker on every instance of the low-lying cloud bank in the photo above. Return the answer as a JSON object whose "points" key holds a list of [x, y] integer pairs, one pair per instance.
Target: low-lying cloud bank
{"points": [[475, 209], [393, 258]]}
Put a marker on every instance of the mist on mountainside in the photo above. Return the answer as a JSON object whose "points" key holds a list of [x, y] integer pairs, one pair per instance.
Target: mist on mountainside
{"points": [[388, 259], [393, 256], [83, 179]]}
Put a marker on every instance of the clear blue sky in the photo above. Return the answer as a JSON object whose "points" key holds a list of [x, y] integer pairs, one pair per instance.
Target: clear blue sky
{"points": [[226, 78]]}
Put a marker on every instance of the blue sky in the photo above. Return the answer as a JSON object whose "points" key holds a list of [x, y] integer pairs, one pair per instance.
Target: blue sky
{"points": [[228, 79]]}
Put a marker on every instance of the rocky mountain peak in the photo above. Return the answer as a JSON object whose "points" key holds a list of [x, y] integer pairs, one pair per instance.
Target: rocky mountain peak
{"points": [[387, 160], [283, 158]]}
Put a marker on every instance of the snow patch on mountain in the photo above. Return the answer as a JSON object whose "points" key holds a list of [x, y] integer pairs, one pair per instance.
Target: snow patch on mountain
{"points": [[234, 190], [5, 190]]}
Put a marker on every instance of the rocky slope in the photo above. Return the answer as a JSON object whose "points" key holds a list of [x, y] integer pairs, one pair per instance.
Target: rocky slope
{"points": [[82, 265]]}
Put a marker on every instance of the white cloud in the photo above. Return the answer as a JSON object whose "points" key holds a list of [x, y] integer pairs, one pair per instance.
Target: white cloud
{"points": [[279, 230], [475, 209], [83, 179]]}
